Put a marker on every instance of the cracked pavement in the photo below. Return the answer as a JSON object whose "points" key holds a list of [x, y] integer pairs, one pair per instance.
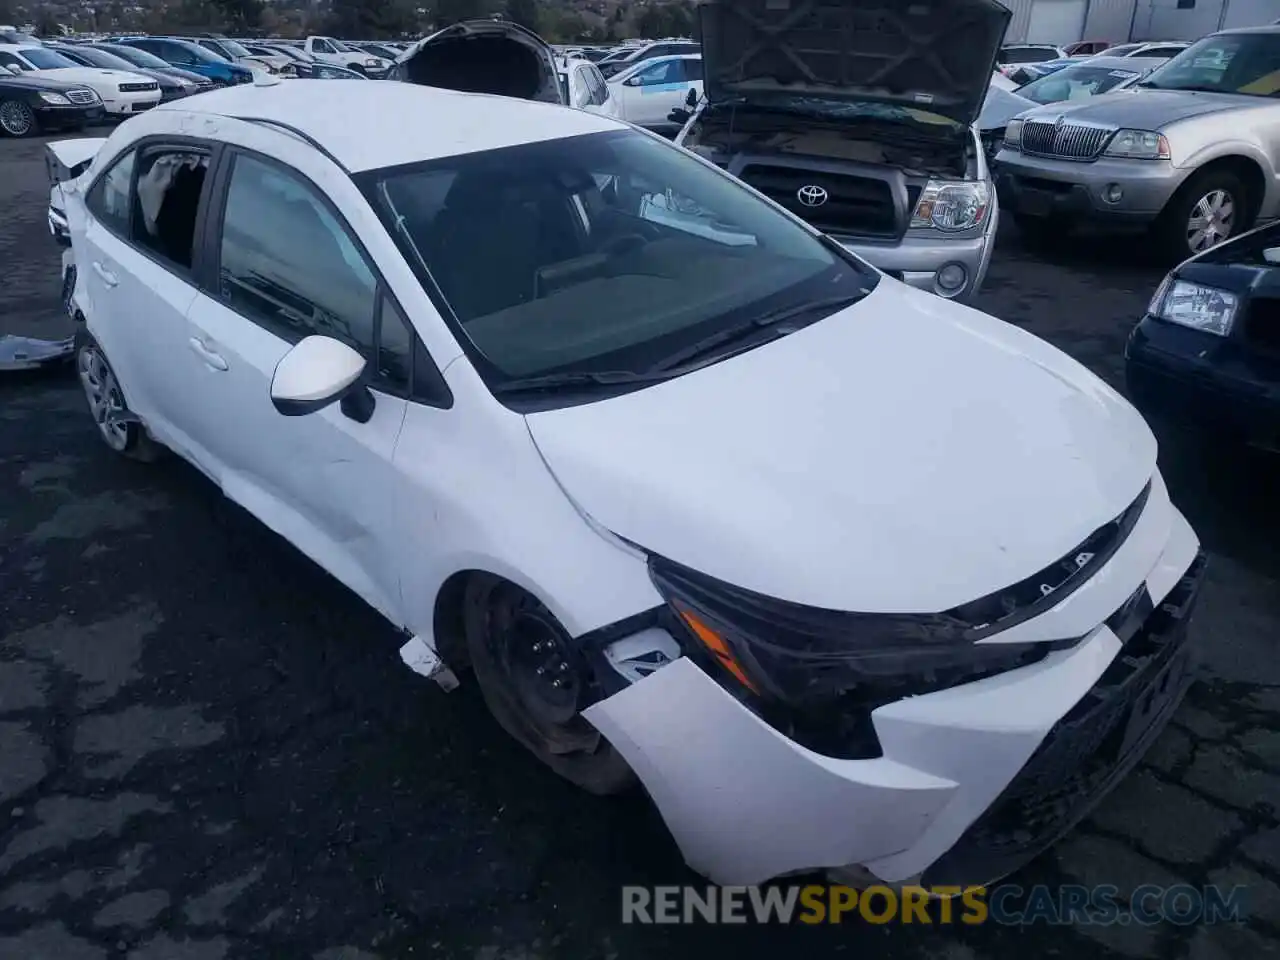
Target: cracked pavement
{"points": [[210, 751]]}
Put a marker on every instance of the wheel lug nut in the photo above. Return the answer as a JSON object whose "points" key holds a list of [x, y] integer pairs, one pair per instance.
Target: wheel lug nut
{"points": [[563, 668], [540, 671], [557, 683]]}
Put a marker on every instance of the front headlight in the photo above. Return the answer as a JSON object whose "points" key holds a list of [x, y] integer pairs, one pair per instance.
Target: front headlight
{"points": [[1013, 135], [56, 99], [1196, 306], [952, 205], [1138, 145], [373, 62]]}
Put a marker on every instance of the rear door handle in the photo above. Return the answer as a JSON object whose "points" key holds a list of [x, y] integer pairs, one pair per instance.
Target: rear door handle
{"points": [[211, 358], [107, 276]]}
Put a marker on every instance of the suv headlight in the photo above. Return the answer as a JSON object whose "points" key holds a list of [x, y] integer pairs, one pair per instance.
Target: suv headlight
{"points": [[1013, 135], [1138, 145], [56, 99], [952, 205], [1194, 305]]}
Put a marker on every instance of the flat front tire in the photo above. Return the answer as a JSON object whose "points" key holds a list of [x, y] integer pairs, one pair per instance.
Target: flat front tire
{"points": [[536, 686]]}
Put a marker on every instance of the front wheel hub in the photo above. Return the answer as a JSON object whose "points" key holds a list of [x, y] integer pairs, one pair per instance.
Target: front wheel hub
{"points": [[545, 671]]}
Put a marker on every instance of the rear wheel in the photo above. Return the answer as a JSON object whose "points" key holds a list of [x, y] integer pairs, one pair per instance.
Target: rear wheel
{"points": [[107, 404], [535, 683], [17, 119]]}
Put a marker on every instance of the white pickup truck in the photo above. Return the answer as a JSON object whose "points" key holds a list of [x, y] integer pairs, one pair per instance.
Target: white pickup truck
{"points": [[329, 50]]}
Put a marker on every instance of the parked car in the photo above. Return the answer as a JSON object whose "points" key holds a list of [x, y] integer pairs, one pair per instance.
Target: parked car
{"points": [[381, 50], [65, 160], [1207, 354], [331, 50], [193, 57], [904, 185], [171, 87], [1188, 153], [1085, 47], [1164, 49], [122, 93], [649, 90], [1026, 72], [1088, 78], [33, 103], [613, 67], [1013, 55], [484, 56], [236, 52], [585, 89], [150, 62], [798, 689]]}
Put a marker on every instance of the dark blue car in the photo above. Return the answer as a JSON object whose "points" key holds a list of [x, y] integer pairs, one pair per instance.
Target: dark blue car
{"points": [[193, 57]]}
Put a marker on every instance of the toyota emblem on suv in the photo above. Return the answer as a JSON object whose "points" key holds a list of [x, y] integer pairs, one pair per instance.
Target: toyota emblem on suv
{"points": [[812, 195]]}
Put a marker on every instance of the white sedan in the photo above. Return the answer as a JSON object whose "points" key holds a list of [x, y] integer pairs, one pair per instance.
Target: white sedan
{"points": [[649, 91], [122, 93], [847, 575]]}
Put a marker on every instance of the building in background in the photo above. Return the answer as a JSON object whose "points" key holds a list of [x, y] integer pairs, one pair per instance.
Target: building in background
{"points": [[1065, 21]]}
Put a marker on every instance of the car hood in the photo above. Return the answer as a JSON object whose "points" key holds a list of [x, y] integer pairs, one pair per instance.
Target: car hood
{"points": [[94, 75], [904, 455], [1143, 108], [935, 55]]}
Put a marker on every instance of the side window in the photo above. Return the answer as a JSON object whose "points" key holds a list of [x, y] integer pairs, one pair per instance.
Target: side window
{"points": [[108, 199], [659, 73], [165, 202], [582, 94], [289, 264], [692, 69], [324, 46], [9, 60]]}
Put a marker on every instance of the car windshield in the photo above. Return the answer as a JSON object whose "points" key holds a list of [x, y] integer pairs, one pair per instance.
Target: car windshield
{"points": [[1075, 83], [134, 56], [234, 48], [599, 253], [43, 59], [1241, 63], [108, 61]]}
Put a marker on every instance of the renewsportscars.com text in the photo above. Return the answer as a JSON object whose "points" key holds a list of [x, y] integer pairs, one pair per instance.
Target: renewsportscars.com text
{"points": [[1007, 904]]}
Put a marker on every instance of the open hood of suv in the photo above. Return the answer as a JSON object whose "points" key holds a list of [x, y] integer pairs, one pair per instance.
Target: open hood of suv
{"points": [[934, 55], [484, 56]]}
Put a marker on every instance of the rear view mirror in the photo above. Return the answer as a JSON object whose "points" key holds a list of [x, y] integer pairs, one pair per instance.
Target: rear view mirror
{"points": [[14, 69], [631, 82], [317, 372]]}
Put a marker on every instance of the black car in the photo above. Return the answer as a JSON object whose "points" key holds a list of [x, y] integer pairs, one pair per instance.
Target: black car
{"points": [[31, 104], [171, 88], [1208, 351]]}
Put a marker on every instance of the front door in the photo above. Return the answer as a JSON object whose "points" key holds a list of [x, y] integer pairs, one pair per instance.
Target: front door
{"points": [[288, 267]]}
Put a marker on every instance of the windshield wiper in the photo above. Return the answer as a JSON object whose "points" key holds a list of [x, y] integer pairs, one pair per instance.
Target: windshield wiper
{"points": [[578, 378], [721, 338]]}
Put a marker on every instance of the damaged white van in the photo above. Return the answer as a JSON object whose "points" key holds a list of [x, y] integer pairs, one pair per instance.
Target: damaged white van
{"points": [[844, 574]]}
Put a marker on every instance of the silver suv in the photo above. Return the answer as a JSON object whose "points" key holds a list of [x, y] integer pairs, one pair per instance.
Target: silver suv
{"points": [[877, 151], [1189, 153]]}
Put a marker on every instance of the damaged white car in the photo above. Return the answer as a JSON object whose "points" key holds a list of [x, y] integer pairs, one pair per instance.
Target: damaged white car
{"points": [[846, 575]]}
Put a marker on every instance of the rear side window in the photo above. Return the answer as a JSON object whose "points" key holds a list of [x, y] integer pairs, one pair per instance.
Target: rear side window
{"points": [[108, 200], [166, 200], [692, 69]]}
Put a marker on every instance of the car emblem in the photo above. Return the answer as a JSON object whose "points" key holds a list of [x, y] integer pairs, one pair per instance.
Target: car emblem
{"points": [[812, 195], [1062, 118]]}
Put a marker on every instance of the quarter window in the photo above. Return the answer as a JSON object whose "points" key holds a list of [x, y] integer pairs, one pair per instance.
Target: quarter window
{"points": [[108, 200]]}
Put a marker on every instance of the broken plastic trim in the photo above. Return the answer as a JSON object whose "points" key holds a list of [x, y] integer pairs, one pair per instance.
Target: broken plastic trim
{"points": [[29, 353]]}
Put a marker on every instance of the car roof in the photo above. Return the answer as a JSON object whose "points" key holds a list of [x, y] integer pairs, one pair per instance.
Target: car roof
{"points": [[351, 119]]}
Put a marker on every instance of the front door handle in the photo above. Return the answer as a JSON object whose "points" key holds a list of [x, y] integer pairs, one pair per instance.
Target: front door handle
{"points": [[212, 358], [107, 276]]}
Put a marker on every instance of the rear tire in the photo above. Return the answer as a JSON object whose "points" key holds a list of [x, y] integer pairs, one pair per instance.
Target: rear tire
{"points": [[104, 396], [17, 119], [535, 684]]}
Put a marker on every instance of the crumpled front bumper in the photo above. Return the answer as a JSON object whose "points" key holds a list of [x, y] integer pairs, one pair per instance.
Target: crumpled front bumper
{"points": [[746, 804]]}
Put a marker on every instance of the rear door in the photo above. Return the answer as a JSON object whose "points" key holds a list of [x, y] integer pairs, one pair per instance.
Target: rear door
{"points": [[284, 264]]}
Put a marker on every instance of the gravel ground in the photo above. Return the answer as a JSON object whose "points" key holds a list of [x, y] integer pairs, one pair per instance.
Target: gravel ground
{"points": [[209, 750]]}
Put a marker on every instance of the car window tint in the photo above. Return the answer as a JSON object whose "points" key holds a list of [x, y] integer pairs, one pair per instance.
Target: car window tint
{"points": [[108, 200], [395, 346], [600, 94], [166, 199], [288, 263], [692, 69]]}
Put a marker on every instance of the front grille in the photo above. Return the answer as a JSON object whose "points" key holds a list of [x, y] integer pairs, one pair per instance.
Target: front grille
{"points": [[139, 87], [1087, 752], [1262, 324], [1069, 141], [82, 96], [863, 206]]}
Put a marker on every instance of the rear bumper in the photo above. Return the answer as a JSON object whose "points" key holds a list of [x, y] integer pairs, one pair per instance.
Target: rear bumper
{"points": [[973, 781]]}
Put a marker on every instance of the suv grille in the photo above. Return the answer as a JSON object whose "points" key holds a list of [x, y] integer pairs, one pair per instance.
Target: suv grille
{"points": [[855, 205], [1067, 142], [139, 87], [81, 96]]}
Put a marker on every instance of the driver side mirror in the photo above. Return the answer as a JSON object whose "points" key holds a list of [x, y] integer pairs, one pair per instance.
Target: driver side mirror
{"points": [[691, 98], [632, 82], [14, 69], [318, 372]]}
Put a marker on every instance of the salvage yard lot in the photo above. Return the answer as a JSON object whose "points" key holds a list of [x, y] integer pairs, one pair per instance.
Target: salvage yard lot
{"points": [[208, 749]]}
